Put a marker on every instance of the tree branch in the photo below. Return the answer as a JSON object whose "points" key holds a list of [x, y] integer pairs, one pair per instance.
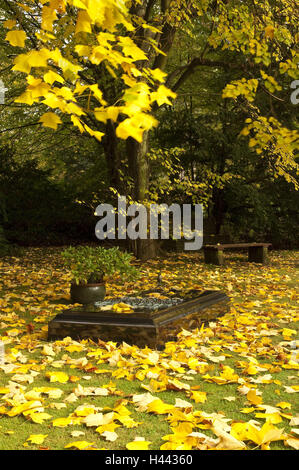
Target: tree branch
{"points": [[190, 68]]}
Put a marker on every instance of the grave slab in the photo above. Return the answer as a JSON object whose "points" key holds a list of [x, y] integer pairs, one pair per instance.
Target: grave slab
{"points": [[145, 326]]}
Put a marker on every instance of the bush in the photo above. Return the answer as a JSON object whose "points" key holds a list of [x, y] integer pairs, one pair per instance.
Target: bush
{"points": [[89, 264]]}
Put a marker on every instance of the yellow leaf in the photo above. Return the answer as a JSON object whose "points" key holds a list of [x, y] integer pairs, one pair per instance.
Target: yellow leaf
{"points": [[138, 445], [227, 441], [74, 348], [48, 351], [9, 24], [110, 435], [107, 427], [83, 22], [127, 421], [16, 410], [48, 17], [158, 75], [84, 410], [99, 419], [292, 442], [159, 407], [269, 32], [130, 49], [38, 418], [283, 405], [135, 126], [77, 433], [288, 332], [273, 418], [251, 370], [81, 445], [254, 398], [162, 95], [62, 422], [21, 64], [198, 397], [37, 438], [247, 410], [25, 7], [16, 38], [51, 77], [51, 120], [248, 432]]}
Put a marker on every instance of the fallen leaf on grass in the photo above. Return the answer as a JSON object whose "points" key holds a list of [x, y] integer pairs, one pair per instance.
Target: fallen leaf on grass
{"points": [[292, 442], [294, 421], [142, 401], [98, 419], [227, 441], [61, 377], [81, 445], [283, 405], [159, 407], [110, 436], [260, 436], [253, 398], [37, 438], [138, 445], [77, 433], [198, 397]]}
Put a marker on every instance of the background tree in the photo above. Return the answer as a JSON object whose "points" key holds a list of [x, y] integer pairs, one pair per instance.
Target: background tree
{"points": [[101, 67]]}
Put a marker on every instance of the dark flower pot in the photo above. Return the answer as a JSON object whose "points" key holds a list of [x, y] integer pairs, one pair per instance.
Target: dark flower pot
{"points": [[87, 293]]}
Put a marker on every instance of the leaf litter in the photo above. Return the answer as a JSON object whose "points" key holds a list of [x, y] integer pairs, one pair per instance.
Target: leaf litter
{"points": [[249, 349]]}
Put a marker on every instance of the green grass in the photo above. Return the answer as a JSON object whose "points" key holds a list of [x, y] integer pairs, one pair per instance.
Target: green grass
{"points": [[35, 285]]}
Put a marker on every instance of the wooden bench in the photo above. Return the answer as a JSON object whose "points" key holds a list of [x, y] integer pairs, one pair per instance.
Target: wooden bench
{"points": [[257, 252]]}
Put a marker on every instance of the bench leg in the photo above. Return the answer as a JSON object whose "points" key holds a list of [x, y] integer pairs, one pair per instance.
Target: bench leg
{"points": [[258, 254], [213, 256]]}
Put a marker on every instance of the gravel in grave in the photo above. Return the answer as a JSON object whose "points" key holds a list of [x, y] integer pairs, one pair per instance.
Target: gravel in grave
{"points": [[141, 303]]}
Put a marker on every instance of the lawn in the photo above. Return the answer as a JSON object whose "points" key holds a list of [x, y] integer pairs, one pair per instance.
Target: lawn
{"points": [[231, 384]]}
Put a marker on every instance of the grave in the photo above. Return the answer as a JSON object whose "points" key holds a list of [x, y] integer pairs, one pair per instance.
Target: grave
{"points": [[153, 322]]}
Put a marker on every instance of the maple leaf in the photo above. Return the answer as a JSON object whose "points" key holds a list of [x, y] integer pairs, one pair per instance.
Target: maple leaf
{"points": [[81, 445], [61, 377], [292, 442], [159, 407], [50, 120], [138, 445], [49, 15], [16, 38], [265, 435], [227, 441], [51, 77], [83, 24], [198, 397], [284, 405], [37, 438], [269, 32], [9, 24], [109, 435], [99, 419], [253, 398], [62, 422]]}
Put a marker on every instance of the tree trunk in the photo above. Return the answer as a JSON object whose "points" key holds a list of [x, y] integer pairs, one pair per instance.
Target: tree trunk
{"points": [[113, 159], [139, 172], [138, 168]]}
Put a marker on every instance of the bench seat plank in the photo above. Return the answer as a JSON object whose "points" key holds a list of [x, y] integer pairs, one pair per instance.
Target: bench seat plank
{"points": [[236, 245], [257, 252]]}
